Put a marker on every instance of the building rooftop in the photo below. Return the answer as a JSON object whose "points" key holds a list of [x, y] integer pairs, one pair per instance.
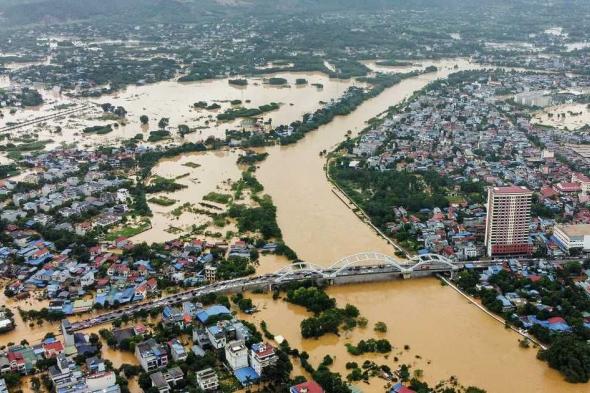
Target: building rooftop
{"points": [[511, 190], [575, 230], [307, 387]]}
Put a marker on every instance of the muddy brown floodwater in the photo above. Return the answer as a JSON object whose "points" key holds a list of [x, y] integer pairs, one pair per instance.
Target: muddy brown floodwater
{"points": [[315, 223], [570, 116], [449, 335], [437, 323]]}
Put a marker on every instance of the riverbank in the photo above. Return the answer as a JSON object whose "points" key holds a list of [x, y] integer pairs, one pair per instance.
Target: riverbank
{"points": [[492, 315], [362, 215], [459, 340]]}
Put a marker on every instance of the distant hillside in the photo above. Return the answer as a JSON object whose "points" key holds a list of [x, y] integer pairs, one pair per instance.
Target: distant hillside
{"points": [[19, 12], [51, 11]]}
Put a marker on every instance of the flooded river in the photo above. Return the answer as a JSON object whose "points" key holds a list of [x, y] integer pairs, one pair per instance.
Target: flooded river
{"points": [[437, 323], [446, 336], [314, 221]]}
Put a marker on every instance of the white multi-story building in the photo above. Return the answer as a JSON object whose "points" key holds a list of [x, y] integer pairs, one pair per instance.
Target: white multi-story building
{"points": [[508, 220], [261, 356], [236, 354], [177, 350], [573, 236], [207, 379]]}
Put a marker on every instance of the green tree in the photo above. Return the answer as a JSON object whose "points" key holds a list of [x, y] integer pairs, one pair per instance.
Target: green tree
{"points": [[380, 327], [163, 123], [571, 357]]}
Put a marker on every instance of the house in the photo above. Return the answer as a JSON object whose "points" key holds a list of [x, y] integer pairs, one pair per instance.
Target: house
{"points": [[123, 195], [307, 387], [82, 228], [17, 362], [64, 373], [87, 279], [399, 388], [216, 336], [210, 273], [95, 364], [144, 288], [236, 354], [30, 355], [159, 382], [118, 270], [506, 304], [151, 355], [177, 350], [105, 381], [53, 348], [213, 311], [207, 379], [172, 316], [261, 356]]}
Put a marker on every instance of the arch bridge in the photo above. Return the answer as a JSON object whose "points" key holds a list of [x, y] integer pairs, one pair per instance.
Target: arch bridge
{"points": [[369, 263]]}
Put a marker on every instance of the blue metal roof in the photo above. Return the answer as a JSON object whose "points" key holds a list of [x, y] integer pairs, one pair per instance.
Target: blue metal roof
{"points": [[246, 375]]}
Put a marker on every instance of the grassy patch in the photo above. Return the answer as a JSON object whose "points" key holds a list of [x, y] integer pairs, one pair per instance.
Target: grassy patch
{"points": [[100, 130], [129, 230], [162, 201], [182, 176], [217, 197]]}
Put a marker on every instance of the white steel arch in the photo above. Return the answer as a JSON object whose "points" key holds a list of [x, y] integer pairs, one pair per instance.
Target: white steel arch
{"points": [[431, 259], [297, 268], [361, 259]]}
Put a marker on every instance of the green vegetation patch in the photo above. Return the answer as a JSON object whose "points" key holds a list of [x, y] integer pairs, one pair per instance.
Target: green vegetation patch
{"points": [[100, 130], [238, 82], [161, 184], [370, 345], [277, 81], [128, 231], [218, 197], [191, 164], [159, 135], [162, 201], [234, 113]]}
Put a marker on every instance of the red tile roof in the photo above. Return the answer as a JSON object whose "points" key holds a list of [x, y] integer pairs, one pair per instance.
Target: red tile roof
{"points": [[567, 187], [55, 346], [553, 320], [310, 386]]}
